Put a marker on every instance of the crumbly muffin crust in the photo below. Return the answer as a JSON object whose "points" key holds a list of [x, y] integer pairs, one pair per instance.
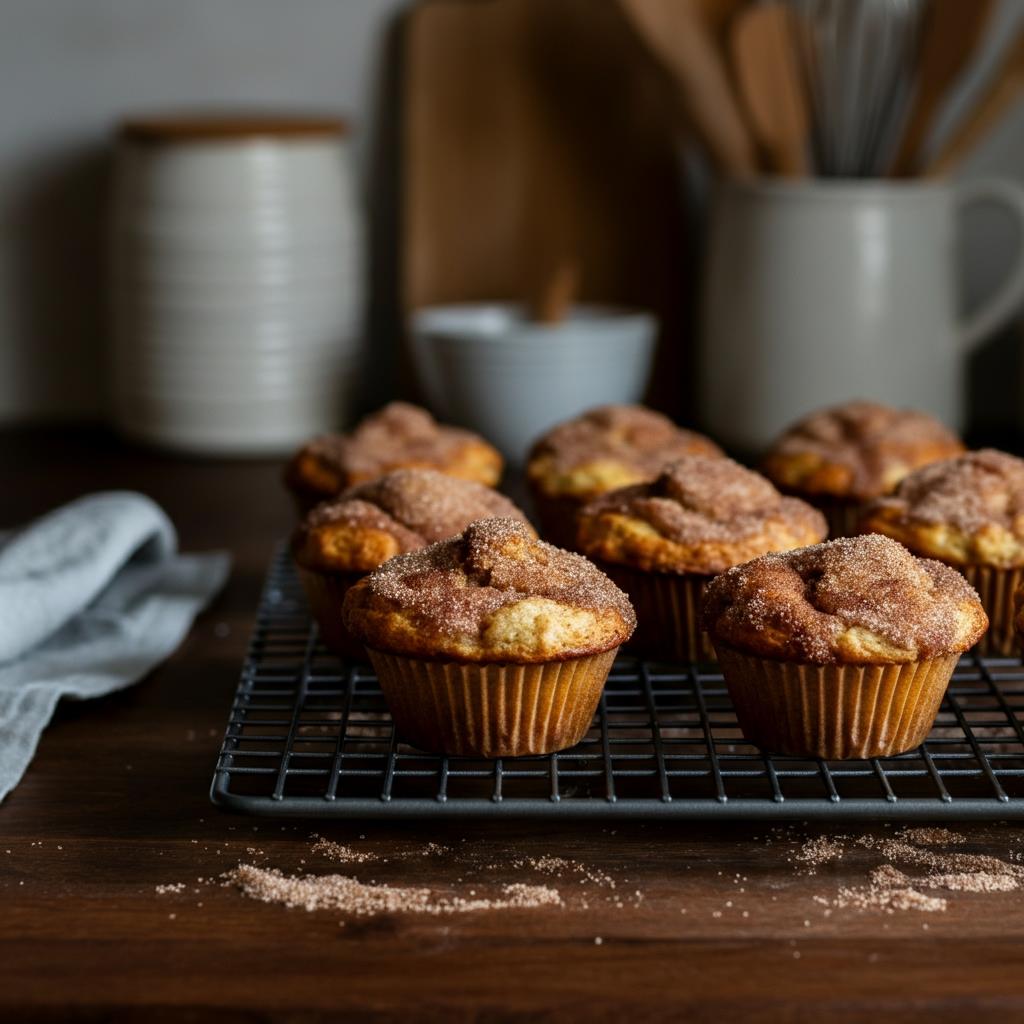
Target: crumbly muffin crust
{"points": [[856, 600], [965, 511], [609, 447], [857, 450], [395, 437], [494, 594], [401, 511], [701, 515]]}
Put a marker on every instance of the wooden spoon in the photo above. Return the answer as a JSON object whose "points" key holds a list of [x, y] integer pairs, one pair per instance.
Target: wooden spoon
{"points": [[555, 294], [1003, 92], [681, 40], [764, 62], [952, 32]]}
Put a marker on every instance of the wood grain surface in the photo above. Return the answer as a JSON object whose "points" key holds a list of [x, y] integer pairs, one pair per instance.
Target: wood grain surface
{"points": [[115, 804]]}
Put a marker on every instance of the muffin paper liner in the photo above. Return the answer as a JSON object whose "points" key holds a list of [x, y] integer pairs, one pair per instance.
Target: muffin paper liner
{"points": [[667, 612], [835, 712], [325, 593], [556, 517], [995, 587], [491, 709], [842, 517]]}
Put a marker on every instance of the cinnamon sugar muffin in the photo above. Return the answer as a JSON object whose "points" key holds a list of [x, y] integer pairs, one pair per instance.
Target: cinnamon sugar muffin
{"points": [[605, 448], [838, 458], [843, 649], [340, 541], [969, 513], [491, 643], [398, 436], [662, 541]]}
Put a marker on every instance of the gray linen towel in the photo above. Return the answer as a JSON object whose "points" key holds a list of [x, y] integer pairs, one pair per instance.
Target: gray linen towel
{"points": [[92, 596]]}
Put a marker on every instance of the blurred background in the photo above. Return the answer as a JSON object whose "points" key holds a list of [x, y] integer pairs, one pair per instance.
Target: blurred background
{"points": [[499, 149]]}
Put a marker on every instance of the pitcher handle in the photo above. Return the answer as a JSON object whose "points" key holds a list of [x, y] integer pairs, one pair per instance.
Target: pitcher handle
{"points": [[1009, 296]]}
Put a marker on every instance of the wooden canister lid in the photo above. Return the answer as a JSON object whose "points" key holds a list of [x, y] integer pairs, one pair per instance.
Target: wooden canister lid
{"points": [[182, 127]]}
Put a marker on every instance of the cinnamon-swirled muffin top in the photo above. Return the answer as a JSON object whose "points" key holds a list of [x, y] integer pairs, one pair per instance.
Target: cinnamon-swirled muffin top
{"points": [[701, 515], [609, 447], [492, 593], [398, 436], [858, 600], [966, 511], [401, 511], [856, 451]]}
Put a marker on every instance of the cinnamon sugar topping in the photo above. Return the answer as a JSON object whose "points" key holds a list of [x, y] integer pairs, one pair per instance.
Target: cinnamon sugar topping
{"points": [[415, 506], [803, 604], [632, 435], [454, 588], [857, 450], [976, 491]]}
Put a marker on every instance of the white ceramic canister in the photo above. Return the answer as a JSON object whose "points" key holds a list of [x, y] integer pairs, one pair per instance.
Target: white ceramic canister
{"points": [[237, 281], [819, 292]]}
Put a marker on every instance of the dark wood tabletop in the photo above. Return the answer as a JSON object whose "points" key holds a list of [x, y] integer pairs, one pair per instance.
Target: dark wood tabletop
{"points": [[704, 923]]}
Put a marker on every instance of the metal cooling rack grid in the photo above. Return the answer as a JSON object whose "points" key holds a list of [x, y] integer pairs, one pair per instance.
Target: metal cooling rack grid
{"points": [[310, 737]]}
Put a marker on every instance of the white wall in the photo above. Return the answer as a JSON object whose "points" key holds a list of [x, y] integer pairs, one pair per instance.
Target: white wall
{"points": [[69, 69]]}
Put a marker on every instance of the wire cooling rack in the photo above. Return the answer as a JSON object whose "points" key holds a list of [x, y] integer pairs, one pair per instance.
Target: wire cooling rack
{"points": [[310, 736]]}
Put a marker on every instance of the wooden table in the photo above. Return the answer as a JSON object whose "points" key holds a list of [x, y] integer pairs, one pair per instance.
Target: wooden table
{"points": [[115, 804]]}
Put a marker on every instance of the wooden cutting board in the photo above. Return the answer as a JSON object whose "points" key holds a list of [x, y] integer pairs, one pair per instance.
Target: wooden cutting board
{"points": [[535, 132]]}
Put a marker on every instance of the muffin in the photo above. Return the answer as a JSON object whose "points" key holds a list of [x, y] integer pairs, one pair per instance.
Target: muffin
{"points": [[662, 541], [843, 649], [969, 513], [491, 643], [839, 458], [340, 541], [399, 436], [606, 448]]}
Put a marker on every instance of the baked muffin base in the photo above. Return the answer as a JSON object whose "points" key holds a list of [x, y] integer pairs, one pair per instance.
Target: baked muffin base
{"points": [[325, 594], [492, 709], [835, 712], [667, 612], [996, 588]]}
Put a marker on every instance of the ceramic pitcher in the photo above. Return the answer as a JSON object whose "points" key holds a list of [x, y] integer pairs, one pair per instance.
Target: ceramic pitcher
{"points": [[815, 293]]}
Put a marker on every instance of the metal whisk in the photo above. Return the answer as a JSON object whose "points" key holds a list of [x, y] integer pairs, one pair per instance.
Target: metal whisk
{"points": [[858, 59]]}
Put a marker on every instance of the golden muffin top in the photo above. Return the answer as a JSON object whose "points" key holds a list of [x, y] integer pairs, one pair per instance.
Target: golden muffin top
{"points": [[966, 511], [398, 436], [701, 515], [401, 511], [492, 593], [608, 447], [856, 600], [857, 450]]}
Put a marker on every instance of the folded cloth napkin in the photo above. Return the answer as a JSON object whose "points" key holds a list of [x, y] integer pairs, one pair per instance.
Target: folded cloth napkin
{"points": [[92, 596]]}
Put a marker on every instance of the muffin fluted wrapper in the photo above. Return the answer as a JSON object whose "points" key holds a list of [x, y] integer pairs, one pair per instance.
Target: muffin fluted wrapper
{"points": [[556, 516], [325, 594], [835, 712], [667, 612], [492, 709], [996, 587], [842, 516]]}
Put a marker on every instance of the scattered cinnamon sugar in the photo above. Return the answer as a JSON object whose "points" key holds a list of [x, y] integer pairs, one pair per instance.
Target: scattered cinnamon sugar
{"points": [[348, 855], [350, 896], [819, 851], [891, 889]]}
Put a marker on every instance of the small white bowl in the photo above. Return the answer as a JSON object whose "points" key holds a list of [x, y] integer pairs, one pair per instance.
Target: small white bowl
{"points": [[488, 367]]}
